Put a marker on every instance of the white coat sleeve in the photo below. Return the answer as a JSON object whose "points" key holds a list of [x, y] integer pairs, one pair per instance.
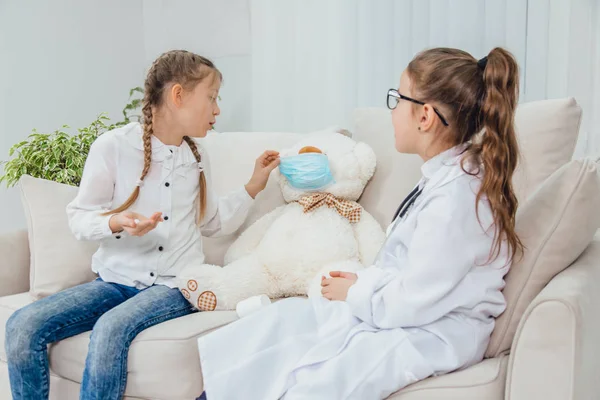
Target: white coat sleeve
{"points": [[225, 214], [95, 193], [446, 243]]}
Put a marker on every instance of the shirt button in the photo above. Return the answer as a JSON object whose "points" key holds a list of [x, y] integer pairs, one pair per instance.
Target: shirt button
{"points": [[160, 248], [166, 218], [152, 274], [167, 184], [118, 237]]}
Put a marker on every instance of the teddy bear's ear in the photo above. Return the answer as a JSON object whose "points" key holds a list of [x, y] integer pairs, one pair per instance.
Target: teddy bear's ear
{"points": [[366, 160], [345, 132]]}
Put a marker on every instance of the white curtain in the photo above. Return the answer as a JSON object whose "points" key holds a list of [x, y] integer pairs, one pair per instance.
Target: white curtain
{"points": [[314, 61], [563, 59]]}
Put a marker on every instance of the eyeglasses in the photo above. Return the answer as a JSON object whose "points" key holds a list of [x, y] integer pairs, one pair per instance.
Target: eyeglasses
{"points": [[393, 98]]}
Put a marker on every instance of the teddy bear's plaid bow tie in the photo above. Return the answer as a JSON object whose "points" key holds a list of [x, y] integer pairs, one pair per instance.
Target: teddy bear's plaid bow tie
{"points": [[346, 208]]}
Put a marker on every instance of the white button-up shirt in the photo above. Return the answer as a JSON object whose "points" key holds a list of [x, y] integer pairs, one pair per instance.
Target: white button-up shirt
{"points": [[113, 167]]}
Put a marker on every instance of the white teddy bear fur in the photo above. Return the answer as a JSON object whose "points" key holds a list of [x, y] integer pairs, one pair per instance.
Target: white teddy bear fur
{"points": [[286, 252]]}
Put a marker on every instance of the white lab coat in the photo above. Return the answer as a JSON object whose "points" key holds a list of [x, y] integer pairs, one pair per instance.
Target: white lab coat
{"points": [[426, 307]]}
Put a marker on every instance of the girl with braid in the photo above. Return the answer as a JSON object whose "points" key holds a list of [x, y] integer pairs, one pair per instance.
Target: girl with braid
{"points": [[145, 196]]}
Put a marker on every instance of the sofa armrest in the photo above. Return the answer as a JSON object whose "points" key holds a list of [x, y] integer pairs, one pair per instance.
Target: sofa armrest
{"points": [[14, 263], [555, 354]]}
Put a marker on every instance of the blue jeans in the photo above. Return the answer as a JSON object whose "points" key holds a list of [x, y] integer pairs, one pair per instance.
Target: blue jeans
{"points": [[116, 314]]}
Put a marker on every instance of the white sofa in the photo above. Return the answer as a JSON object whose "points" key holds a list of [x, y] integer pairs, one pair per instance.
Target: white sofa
{"points": [[555, 352]]}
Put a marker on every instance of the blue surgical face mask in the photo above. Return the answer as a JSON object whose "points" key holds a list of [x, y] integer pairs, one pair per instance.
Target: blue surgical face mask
{"points": [[308, 171]]}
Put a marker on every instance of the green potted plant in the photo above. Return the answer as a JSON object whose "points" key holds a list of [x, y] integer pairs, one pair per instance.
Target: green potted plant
{"points": [[60, 156]]}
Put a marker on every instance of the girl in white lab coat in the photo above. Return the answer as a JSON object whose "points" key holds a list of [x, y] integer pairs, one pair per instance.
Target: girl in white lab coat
{"points": [[145, 196], [428, 304]]}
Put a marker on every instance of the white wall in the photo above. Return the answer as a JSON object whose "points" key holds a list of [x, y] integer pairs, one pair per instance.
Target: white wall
{"points": [[62, 65], [563, 59], [219, 30], [65, 61]]}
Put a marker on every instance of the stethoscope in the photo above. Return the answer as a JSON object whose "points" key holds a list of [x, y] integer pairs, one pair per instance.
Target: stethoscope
{"points": [[401, 212], [407, 203]]}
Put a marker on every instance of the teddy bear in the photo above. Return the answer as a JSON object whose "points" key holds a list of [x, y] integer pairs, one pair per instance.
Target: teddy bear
{"points": [[321, 228]]}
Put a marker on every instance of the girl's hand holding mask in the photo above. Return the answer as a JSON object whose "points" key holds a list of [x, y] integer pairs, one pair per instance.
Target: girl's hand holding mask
{"points": [[266, 163]]}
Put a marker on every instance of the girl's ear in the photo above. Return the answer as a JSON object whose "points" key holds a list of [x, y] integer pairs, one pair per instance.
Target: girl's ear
{"points": [[427, 117], [175, 94]]}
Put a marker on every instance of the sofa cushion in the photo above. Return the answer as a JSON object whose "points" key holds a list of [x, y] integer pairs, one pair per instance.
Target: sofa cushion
{"points": [[556, 224], [60, 388], [163, 360], [57, 260], [547, 131], [485, 380], [15, 263], [8, 305]]}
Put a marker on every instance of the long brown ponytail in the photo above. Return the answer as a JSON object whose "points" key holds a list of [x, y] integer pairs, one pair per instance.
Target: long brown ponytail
{"points": [[479, 98], [176, 66]]}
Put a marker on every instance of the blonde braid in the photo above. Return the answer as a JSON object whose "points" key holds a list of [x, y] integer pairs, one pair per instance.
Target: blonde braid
{"points": [[147, 138], [202, 192]]}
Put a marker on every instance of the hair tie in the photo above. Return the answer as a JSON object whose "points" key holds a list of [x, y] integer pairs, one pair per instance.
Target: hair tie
{"points": [[200, 167], [482, 63], [139, 182]]}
